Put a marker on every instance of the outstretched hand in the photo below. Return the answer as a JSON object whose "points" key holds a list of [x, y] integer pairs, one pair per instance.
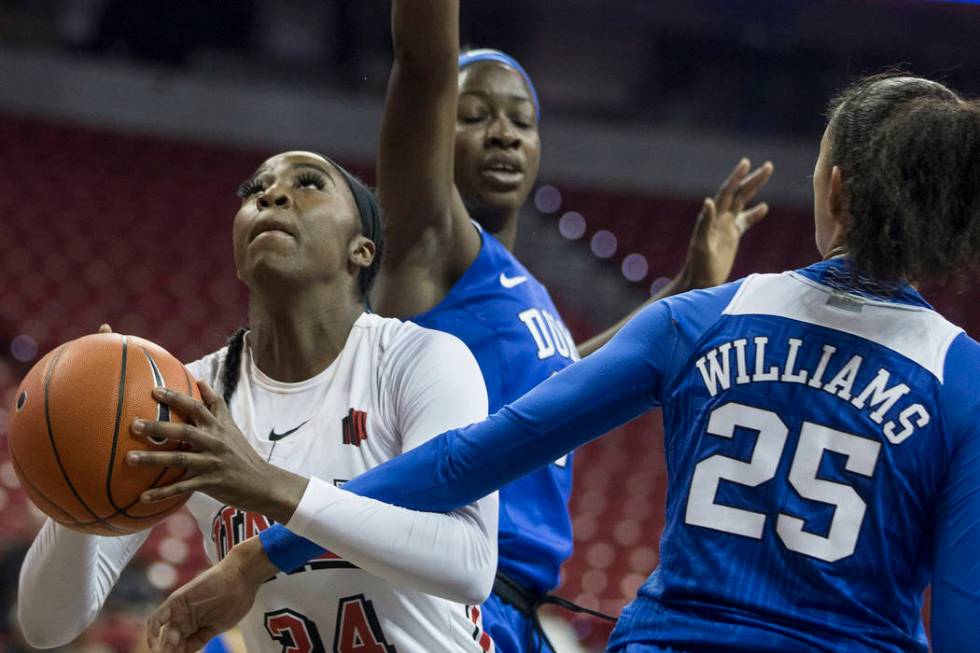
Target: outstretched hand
{"points": [[722, 222], [220, 461]]}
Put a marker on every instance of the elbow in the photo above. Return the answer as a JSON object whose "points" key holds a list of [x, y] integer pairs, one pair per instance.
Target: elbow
{"points": [[471, 591], [474, 584], [480, 589], [433, 66], [43, 635], [42, 632]]}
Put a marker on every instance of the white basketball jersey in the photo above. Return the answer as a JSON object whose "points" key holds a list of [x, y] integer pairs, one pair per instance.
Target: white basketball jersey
{"points": [[340, 423]]}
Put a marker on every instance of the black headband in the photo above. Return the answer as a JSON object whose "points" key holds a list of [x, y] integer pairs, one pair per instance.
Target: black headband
{"points": [[371, 226]]}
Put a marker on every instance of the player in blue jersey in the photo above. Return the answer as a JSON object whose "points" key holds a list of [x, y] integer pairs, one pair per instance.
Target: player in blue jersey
{"points": [[470, 123], [821, 432]]}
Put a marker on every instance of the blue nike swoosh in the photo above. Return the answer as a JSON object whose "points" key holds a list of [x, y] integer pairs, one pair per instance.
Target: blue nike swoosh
{"points": [[274, 437]]}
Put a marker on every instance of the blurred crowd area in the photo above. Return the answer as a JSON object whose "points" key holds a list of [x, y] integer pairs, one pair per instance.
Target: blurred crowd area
{"points": [[97, 223], [752, 66]]}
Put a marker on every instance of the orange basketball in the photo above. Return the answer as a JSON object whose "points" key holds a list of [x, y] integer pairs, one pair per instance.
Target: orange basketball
{"points": [[69, 432]]}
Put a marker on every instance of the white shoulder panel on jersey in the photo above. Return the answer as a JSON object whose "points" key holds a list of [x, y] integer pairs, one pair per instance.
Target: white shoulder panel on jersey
{"points": [[917, 333]]}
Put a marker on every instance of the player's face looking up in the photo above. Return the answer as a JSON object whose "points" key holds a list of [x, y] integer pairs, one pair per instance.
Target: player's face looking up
{"points": [[497, 145], [298, 223]]}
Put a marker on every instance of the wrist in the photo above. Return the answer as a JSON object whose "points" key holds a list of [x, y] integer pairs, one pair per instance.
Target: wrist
{"points": [[681, 283], [250, 561], [286, 490]]}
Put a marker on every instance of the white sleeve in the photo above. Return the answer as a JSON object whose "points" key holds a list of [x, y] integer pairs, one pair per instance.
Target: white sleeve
{"points": [[438, 387], [66, 578]]}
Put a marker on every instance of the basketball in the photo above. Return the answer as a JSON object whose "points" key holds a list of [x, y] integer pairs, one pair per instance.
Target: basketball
{"points": [[69, 432]]}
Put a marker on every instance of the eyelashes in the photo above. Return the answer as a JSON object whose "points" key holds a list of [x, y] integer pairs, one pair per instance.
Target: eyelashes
{"points": [[250, 187], [253, 186], [311, 179]]}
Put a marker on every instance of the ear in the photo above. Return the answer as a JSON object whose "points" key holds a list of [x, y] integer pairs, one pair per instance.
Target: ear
{"points": [[836, 202], [361, 252]]}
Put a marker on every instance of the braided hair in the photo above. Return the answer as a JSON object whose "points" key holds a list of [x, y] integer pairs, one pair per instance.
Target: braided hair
{"points": [[909, 148], [232, 365], [372, 227]]}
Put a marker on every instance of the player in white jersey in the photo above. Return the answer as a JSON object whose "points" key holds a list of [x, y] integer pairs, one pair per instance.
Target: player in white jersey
{"points": [[319, 391]]}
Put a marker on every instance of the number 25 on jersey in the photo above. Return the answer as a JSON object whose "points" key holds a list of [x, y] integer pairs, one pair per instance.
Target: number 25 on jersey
{"points": [[849, 508]]}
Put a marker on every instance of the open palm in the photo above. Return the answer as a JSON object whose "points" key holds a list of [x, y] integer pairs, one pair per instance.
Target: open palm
{"points": [[722, 222]]}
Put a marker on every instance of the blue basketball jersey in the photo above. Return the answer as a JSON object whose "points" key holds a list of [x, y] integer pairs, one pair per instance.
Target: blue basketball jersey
{"points": [[507, 319], [809, 433]]}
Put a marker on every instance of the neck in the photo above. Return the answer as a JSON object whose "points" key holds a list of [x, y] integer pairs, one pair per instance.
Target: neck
{"points": [[296, 339], [839, 250], [507, 232]]}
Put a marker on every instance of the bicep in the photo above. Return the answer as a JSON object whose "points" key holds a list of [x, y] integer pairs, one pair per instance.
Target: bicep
{"points": [[956, 563]]}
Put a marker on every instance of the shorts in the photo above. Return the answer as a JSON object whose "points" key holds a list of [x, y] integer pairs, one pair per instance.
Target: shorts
{"points": [[510, 630]]}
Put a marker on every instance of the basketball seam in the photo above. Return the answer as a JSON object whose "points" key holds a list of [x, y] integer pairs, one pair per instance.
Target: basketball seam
{"points": [[54, 447], [73, 520], [124, 510], [24, 477], [115, 431]]}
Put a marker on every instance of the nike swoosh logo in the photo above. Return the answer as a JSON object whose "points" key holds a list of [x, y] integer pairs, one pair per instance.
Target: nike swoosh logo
{"points": [[511, 282], [274, 437]]}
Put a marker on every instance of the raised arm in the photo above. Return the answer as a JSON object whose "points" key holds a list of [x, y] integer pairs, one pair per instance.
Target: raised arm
{"points": [[714, 242], [428, 235]]}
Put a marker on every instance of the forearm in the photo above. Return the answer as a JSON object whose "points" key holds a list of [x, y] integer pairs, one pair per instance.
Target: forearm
{"points": [[65, 579], [681, 283], [425, 36], [453, 555]]}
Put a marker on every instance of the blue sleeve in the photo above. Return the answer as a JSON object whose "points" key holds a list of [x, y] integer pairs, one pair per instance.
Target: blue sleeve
{"points": [[956, 559], [585, 400]]}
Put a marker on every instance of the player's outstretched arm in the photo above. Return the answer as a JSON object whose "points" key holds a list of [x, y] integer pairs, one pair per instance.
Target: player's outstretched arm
{"points": [[428, 236], [65, 580], [574, 406], [714, 242]]}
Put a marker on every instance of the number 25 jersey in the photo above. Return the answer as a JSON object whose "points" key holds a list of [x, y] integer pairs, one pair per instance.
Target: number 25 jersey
{"points": [[810, 435]]}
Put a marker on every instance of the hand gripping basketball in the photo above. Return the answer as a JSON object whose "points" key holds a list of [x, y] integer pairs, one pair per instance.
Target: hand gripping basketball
{"points": [[221, 462]]}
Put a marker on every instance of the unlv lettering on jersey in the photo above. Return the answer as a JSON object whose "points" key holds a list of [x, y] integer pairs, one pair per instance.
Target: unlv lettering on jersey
{"points": [[232, 526]]}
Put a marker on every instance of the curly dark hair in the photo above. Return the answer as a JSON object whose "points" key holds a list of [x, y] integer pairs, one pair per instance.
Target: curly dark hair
{"points": [[909, 150]]}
